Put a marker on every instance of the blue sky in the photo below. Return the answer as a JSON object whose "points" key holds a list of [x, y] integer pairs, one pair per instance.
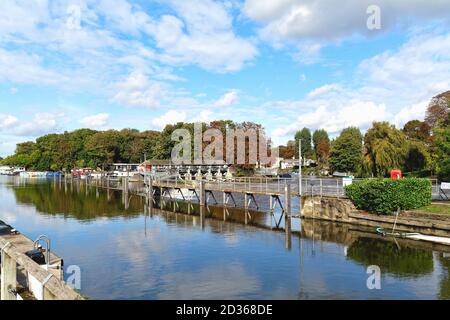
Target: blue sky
{"points": [[114, 64]]}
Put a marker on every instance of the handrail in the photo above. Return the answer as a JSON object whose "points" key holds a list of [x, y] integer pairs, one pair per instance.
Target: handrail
{"points": [[58, 289]]}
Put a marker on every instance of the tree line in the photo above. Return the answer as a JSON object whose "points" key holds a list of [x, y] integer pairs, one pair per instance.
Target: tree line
{"points": [[420, 148], [97, 149]]}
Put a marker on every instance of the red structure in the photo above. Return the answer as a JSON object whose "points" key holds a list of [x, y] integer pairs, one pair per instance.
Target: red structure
{"points": [[396, 174]]}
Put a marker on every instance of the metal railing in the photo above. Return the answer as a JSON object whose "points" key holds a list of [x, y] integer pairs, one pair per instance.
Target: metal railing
{"points": [[326, 187]]}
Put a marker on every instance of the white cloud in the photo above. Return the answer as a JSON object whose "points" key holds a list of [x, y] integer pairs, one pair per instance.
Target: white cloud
{"points": [[201, 34], [393, 86], [414, 112], [171, 117], [321, 20], [227, 99], [138, 90], [417, 71], [7, 121], [21, 67], [204, 116], [323, 89], [95, 121], [335, 118], [41, 123]]}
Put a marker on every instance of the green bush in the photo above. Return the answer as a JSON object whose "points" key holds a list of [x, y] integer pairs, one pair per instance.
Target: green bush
{"points": [[385, 196]]}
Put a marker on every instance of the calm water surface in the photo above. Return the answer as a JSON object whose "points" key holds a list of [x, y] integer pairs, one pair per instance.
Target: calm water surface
{"points": [[132, 252]]}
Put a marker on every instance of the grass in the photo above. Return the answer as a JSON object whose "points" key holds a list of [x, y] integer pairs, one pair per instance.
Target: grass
{"points": [[435, 208]]}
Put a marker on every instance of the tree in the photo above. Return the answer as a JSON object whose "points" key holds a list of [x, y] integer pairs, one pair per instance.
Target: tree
{"points": [[438, 109], [305, 136], [386, 149], [288, 151], [321, 143], [346, 151], [441, 136], [417, 130], [417, 157]]}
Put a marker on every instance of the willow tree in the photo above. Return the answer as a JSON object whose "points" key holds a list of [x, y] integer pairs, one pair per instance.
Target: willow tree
{"points": [[386, 148]]}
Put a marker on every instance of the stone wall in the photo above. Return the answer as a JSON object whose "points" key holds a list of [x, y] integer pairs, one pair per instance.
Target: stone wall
{"points": [[332, 209], [343, 210]]}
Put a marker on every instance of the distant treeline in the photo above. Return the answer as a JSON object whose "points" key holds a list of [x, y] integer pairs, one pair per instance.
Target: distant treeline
{"points": [[97, 149]]}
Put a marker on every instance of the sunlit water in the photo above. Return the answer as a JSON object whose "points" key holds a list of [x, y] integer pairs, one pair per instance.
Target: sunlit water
{"points": [[136, 254]]}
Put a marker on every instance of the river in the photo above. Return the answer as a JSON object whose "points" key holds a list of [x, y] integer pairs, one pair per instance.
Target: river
{"points": [[132, 252]]}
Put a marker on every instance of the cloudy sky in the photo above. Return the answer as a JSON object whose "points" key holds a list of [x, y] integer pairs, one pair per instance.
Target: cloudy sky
{"points": [[286, 64]]}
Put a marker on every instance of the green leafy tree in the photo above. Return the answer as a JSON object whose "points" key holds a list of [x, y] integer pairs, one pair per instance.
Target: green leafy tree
{"points": [[305, 136], [346, 151], [442, 151], [386, 148]]}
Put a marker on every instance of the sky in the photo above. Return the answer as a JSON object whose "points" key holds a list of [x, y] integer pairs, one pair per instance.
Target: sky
{"points": [[287, 64]]}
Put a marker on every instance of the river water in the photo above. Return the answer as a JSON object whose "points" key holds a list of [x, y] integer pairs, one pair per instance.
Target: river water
{"points": [[125, 250]]}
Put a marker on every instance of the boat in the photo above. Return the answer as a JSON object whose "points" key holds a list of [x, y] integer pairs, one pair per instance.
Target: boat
{"points": [[86, 173], [415, 236], [412, 235], [130, 171], [11, 171], [18, 170], [54, 174], [33, 174], [5, 170]]}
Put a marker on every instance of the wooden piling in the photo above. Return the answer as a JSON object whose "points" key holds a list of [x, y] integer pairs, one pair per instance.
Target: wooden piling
{"points": [[287, 200], [8, 277], [202, 194]]}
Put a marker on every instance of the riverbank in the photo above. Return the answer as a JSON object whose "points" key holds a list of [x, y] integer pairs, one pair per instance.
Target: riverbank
{"points": [[343, 210]]}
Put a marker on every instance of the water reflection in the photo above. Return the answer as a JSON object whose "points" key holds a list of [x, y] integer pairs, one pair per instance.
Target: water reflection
{"points": [[77, 201], [399, 261], [134, 248]]}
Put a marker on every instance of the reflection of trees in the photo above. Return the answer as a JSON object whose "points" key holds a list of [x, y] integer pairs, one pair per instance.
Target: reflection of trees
{"points": [[77, 203], [444, 292], [405, 262]]}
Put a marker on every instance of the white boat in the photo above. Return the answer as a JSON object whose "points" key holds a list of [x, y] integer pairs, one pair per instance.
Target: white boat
{"points": [[123, 170], [33, 174], [5, 170]]}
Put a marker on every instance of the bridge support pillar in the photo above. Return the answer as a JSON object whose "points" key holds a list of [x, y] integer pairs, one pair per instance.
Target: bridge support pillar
{"points": [[202, 193]]}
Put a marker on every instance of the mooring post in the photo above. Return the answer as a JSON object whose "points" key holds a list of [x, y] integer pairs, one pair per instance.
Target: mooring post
{"points": [[150, 187], [287, 215], [125, 184], [8, 277], [202, 217], [287, 200]]}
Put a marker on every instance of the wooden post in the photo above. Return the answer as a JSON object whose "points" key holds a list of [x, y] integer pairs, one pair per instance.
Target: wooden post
{"points": [[202, 217], [8, 277], [287, 200], [287, 215], [202, 194], [150, 187]]}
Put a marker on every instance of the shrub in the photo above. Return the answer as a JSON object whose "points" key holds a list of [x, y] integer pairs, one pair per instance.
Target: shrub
{"points": [[385, 196]]}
